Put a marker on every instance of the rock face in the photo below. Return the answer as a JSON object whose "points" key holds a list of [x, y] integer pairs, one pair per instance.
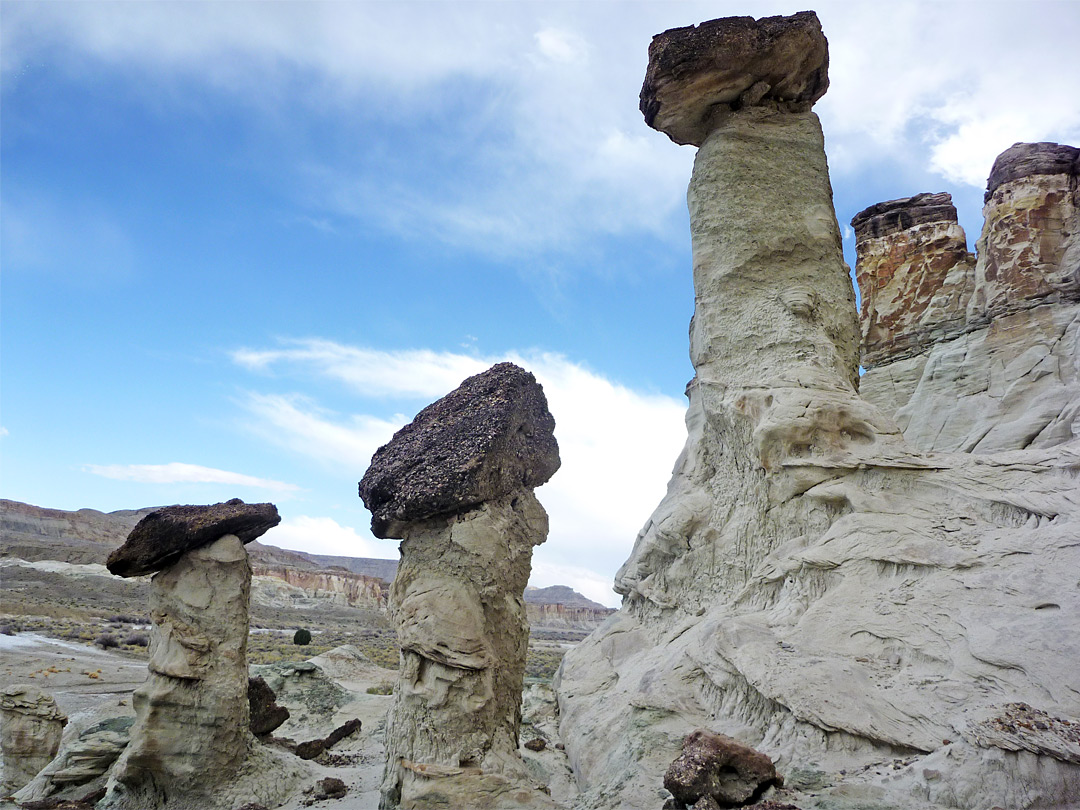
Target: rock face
{"points": [[191, 745], [915, 275], [33, 726], [812, 585], [162, 537], [80, 761], [338, 586], [490, 436], [452, 734], [983, 358], [712, 765]]}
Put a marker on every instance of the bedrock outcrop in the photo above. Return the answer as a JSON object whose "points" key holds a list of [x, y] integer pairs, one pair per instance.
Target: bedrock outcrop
{"points": [[32, 728], [191, 745], [452, 734], [983, 359], [866, 614]]}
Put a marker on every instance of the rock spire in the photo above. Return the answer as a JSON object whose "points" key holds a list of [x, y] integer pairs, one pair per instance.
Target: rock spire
{"points": [[457, 486]]}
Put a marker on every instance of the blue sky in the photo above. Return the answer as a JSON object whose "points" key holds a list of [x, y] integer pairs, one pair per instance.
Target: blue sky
{"points": [[242, 243]]}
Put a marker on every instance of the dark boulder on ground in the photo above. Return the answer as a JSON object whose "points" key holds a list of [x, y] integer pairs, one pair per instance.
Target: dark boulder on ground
{"points": [[712, 766], [266, 714]]}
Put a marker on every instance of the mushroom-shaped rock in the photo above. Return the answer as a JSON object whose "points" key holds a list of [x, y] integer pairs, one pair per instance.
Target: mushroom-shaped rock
{"points": [[712, 765], [490, 436], [162, 537], [729, 64]]}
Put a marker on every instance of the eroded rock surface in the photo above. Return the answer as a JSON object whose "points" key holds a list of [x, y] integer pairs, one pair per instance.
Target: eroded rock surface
{"points": [[191, 745], [452, 734], [812, 585], [990, 363], [163, 536], [32, 728]]}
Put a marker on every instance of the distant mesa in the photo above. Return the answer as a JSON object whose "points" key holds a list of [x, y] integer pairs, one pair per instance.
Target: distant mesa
{"points": [[162, 537]]}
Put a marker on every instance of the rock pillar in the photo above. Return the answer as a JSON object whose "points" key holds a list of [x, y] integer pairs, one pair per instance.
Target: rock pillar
{"points": [[33, 726], [191, 744], [456, 485]]}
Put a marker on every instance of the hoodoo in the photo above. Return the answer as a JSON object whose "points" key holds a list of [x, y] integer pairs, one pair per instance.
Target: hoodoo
{"points": [[456, 485], [876, 619]]}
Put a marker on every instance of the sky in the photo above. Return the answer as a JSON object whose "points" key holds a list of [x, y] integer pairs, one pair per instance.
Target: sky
{"points": [[243, 243]]}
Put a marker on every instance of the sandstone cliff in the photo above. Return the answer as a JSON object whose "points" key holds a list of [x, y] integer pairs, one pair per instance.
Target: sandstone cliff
{"points": [[893, 626], [978, 356]]}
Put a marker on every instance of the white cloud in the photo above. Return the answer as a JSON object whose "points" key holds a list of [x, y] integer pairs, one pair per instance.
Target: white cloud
{"points": [[3, 432], [180, 473], [617, 445], [323, 535], [298, 424]]}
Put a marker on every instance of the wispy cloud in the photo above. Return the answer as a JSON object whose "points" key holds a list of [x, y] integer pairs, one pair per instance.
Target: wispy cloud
{"points": [[180, 473], [617, 445], [323, 535]]}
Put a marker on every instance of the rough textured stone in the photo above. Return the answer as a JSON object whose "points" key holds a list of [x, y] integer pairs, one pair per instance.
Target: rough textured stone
{"points": [[192, 736], [266, 715], [990, 363], [698, 73], [915, 275], [490, 436], [452, 734], [811, 584], [720, 768], [330, 788], [84, 759], [162, 537], [32, 728]]}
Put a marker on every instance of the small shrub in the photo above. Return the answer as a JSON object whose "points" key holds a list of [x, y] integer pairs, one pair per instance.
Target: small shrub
{"points": [[106, 641], [137, 640], [302, 637], [381, 689], [8, 630]]}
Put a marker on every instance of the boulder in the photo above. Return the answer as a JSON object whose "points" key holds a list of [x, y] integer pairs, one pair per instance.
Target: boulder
{"points": [[698, 73], [720, 768], [86, 758], [163, 536], [491, 436], [266, 714], [32, 728]]}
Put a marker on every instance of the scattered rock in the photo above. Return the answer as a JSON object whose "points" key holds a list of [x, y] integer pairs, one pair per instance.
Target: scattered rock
{"points": [[698, 72], [718, 768], [162, 537], [491, 436], [32, 728], [536, 744], [266, 714], [346, 729], [330, 788]]}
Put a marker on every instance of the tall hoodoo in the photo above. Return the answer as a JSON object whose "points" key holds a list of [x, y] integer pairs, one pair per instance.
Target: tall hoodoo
{"points": [[811, 585], [191, 744], [456, 485]]}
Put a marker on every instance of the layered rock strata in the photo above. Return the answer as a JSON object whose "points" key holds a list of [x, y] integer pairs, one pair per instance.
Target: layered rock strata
{"points": [[811, 585], [982, 359], [191, 744], [32, 728], [456, 485]]}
